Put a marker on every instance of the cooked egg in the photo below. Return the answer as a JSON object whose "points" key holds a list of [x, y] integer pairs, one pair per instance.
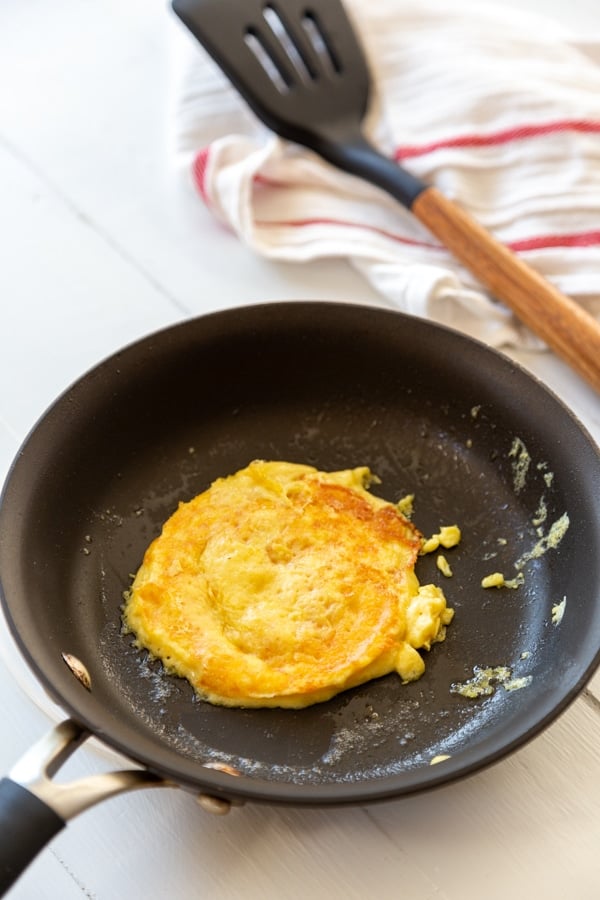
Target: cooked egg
{"points": [[443, 565], [281, 586], [448, 536], [441, 757], [497, 579]]}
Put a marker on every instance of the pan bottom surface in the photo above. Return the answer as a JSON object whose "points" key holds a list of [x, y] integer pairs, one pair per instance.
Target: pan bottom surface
{"points": [[382, 728]]}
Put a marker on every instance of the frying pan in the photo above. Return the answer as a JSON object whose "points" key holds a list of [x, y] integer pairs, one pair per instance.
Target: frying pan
{"points": [[474, 437]]}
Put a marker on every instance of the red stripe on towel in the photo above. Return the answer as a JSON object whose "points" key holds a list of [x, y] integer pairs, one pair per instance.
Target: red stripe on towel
{"points": [[302, 223], [545, 242], [199, 173], [540, 242], [495, 139]]}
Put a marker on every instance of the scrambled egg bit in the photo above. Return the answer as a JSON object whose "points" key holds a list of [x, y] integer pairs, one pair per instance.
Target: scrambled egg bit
{"points": [[282, 586]]}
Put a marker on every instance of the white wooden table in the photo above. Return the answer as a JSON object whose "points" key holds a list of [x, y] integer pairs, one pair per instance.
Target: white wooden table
{"points": [[97, 247]]}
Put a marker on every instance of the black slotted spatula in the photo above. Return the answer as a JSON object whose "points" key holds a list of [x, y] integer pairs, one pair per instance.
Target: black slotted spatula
{"points": [[301, 69]]}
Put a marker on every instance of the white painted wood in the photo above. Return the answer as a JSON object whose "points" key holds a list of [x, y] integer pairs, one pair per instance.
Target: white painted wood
{"points": [[528, 826], [68, 295], [99, 244], [50, 878]]}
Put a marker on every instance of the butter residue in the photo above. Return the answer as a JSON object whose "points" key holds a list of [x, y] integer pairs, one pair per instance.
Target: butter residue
{"points": [[485, 681], [520, 466], [548, 541], [548, 476], [558, 611], [541, 514], [521, 461], [515, 684]]}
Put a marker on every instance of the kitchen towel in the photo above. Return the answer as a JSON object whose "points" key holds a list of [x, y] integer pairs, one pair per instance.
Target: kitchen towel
{"points": [[497, 108]]}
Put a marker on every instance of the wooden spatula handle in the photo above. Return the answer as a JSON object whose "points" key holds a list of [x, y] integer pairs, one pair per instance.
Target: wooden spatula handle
{"points": [[559, 321]]}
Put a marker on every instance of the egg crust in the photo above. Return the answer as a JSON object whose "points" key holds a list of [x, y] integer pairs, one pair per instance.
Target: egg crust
{"points": [[281, 586]]}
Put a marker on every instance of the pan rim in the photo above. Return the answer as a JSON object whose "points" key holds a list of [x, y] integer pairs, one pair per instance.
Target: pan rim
{"points": [[286, 792]]}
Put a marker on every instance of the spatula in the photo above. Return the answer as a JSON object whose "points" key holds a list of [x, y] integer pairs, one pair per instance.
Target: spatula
{"points": [[301, 68]]}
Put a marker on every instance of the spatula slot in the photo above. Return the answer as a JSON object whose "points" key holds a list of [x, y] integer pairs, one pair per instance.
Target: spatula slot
{"points": [[291, 51], [320, 42], [278, 76], [290, 44]]}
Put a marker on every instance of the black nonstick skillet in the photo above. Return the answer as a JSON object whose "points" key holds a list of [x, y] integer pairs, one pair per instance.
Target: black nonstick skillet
{"points": [[477, 440]]}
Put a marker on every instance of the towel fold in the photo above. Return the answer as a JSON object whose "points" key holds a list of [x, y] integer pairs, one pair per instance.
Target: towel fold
{"points": [[497, 108]]}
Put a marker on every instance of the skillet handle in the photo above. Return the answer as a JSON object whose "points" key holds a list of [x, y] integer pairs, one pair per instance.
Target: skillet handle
{"points": [[568, 329], [33, 808], [27, 824]]}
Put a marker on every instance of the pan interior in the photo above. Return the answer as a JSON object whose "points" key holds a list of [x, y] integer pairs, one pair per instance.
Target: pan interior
{"points": [[476, 440]]}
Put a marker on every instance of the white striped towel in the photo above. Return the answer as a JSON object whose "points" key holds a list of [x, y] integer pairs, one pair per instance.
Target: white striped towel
{"points": [[499, 109]]}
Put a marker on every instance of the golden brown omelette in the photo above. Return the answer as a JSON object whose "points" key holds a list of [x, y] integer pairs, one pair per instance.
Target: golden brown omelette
{"points": [[282, 586]]}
